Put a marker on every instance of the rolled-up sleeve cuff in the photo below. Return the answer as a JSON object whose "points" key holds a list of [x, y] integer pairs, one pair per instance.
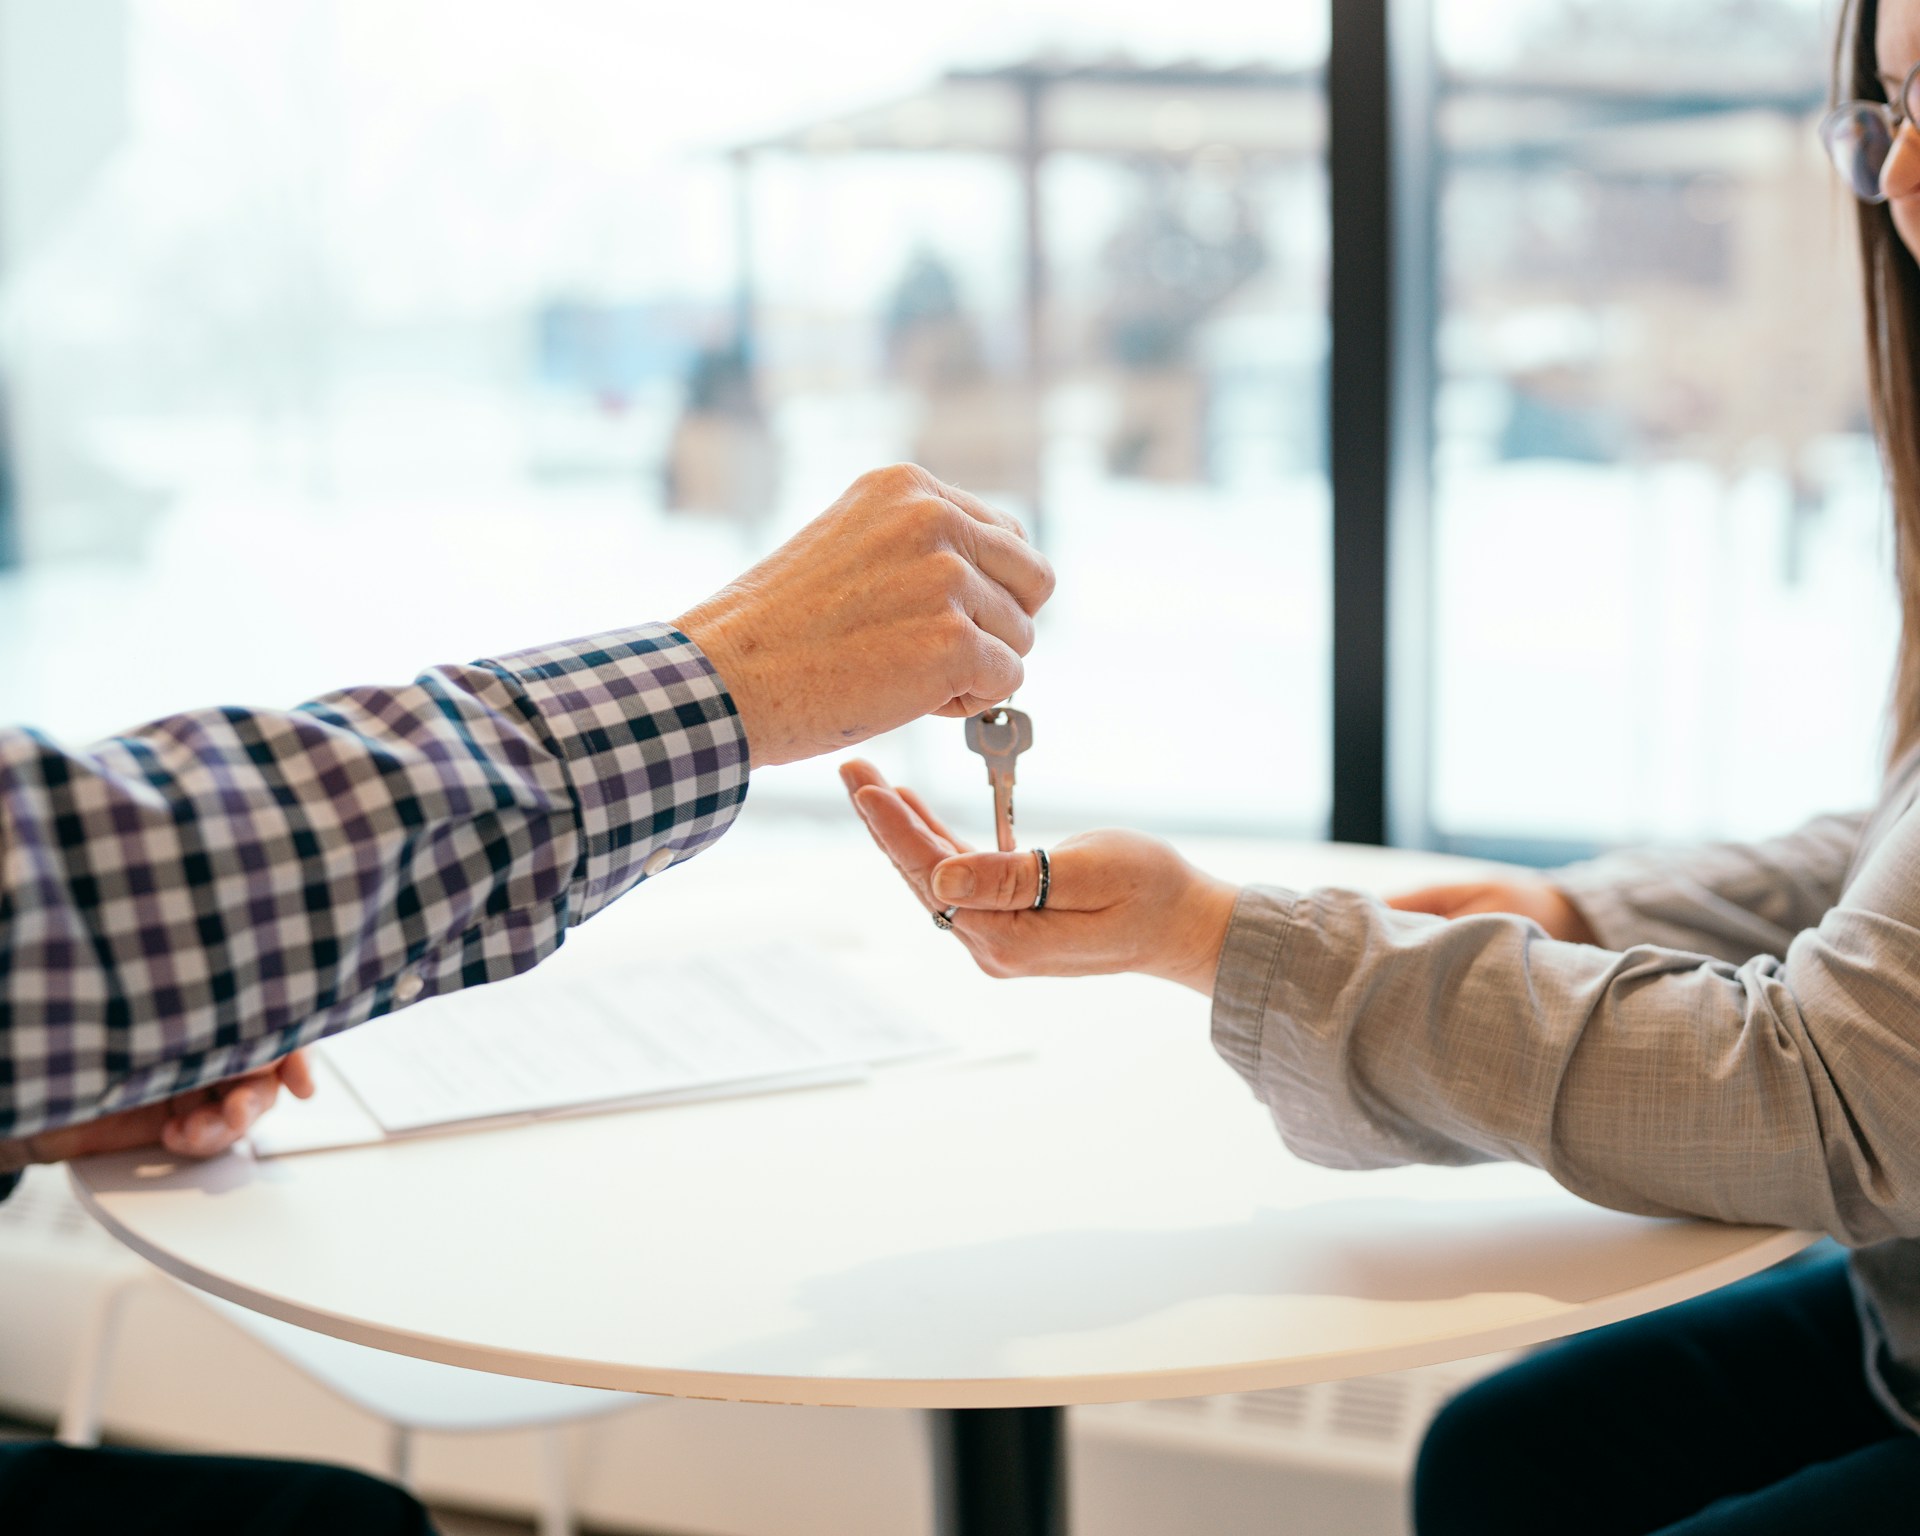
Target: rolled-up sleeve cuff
{"points": [[1243, 984], [1285, 1007], [652, 744]]}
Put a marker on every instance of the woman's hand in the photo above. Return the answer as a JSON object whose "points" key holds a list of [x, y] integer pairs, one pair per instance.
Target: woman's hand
{"points": [[202, 1122], [1118, 901], [1541, 900]]}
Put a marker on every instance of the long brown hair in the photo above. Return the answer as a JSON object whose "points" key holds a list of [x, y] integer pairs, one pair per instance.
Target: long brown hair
{"points": [[1892, 283]]}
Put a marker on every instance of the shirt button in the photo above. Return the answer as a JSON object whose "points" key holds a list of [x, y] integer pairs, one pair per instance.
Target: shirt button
{"points": [[658, 860], [408, 987]]}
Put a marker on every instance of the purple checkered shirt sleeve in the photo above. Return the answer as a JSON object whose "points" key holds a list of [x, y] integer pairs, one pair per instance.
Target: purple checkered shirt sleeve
{"points": [[200, 896]]}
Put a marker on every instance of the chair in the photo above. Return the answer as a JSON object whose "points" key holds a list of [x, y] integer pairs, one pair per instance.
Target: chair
{"points": [[408, 1394]]}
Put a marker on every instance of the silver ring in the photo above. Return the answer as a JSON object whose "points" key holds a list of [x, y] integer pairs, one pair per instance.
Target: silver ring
{"points": [[944, 920], [1046, 878]]}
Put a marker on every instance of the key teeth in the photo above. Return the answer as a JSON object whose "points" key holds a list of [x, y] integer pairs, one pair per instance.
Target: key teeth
{"points": [[1016, 731]]}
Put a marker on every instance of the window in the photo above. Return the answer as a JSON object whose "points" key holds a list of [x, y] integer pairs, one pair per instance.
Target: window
{"points": [[340, 337], [344, 336], [1658, 521]]}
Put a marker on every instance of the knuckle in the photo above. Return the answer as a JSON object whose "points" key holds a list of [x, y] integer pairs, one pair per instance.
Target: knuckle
{"points": [[953, 641], [945, 594], [1006, 885], [938, 520], [952, 572]]}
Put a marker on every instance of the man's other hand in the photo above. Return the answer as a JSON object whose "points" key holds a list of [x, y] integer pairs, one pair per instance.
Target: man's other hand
{"points": [[904, 598], [202, 1122]]}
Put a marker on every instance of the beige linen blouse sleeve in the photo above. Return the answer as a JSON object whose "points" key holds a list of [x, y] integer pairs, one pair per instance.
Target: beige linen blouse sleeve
{"points": [[1785, 1089], [1728, 900]]}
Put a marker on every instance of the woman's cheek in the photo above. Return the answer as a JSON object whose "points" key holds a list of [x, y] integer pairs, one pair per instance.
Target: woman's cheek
{"points": [[1906, 224]]}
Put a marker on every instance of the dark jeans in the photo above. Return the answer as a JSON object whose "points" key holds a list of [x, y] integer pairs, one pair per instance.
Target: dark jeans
{"points": [[1743, 1413], [52, 1490]]}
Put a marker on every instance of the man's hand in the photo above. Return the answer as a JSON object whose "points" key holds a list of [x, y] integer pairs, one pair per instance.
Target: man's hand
{"points": [[1118, 901], [1527, 896], [904, 598], [202, 1122]]}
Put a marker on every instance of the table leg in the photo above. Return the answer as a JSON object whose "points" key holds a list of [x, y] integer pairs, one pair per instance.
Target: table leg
{"points": [[1000, 1471]]}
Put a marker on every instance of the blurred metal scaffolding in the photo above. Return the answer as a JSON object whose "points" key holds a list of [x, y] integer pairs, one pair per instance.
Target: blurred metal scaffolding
{"points": [[1028, 112]]}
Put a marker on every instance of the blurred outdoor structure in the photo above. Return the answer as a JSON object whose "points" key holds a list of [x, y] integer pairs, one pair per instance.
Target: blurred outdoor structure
{"points": [[1660, 590], [338, 336]]}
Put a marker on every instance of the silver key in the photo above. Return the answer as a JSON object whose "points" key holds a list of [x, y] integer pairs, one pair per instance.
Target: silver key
{"points": [[1000, 735]]}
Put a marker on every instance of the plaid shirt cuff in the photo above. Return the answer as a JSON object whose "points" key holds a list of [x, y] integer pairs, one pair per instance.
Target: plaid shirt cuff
{"points": [[652, 745]]}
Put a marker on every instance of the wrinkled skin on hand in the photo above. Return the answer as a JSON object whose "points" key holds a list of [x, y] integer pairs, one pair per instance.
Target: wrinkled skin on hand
{"points": [[905, 598]]}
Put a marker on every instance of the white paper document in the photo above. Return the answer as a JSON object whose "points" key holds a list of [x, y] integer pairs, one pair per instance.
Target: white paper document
{"points": [[733, 1021]]}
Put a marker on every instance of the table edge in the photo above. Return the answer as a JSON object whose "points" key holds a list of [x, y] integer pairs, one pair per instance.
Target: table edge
{"points": [[1769, 1248]]}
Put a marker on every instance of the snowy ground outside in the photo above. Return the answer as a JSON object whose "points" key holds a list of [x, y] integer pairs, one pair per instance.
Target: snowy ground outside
{"points": [[1617, 654]]}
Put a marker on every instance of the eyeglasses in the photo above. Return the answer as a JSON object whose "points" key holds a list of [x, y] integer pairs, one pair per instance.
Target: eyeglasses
{"points": [[1859, 135]]}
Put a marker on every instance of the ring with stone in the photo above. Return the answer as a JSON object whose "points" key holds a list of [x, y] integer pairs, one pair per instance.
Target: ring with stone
{"points": [[944, 920]]}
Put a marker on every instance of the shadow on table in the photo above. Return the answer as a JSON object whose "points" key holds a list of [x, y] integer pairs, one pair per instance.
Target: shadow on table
{"points": [[925, 1305], [149, 1168]]}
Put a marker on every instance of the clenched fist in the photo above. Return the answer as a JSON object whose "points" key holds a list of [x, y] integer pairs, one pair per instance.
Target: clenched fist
{"points": [[904, 598]]}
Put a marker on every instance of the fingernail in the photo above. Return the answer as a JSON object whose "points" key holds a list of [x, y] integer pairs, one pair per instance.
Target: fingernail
{"points": [[953, 882], [205, 1131]]}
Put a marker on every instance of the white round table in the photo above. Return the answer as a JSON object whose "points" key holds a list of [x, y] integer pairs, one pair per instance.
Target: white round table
{"points": [[1107, 1217]]}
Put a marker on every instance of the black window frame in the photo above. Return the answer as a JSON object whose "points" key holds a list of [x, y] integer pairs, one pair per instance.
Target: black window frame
{"points": [[1381, 300]]}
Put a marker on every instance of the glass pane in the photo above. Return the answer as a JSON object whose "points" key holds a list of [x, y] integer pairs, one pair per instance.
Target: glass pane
{"points": [[1659, 525], [345, 336]]}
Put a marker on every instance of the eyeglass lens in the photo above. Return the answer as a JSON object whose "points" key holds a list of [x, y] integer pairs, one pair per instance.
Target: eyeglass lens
{"points": [[1859, 136]]}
